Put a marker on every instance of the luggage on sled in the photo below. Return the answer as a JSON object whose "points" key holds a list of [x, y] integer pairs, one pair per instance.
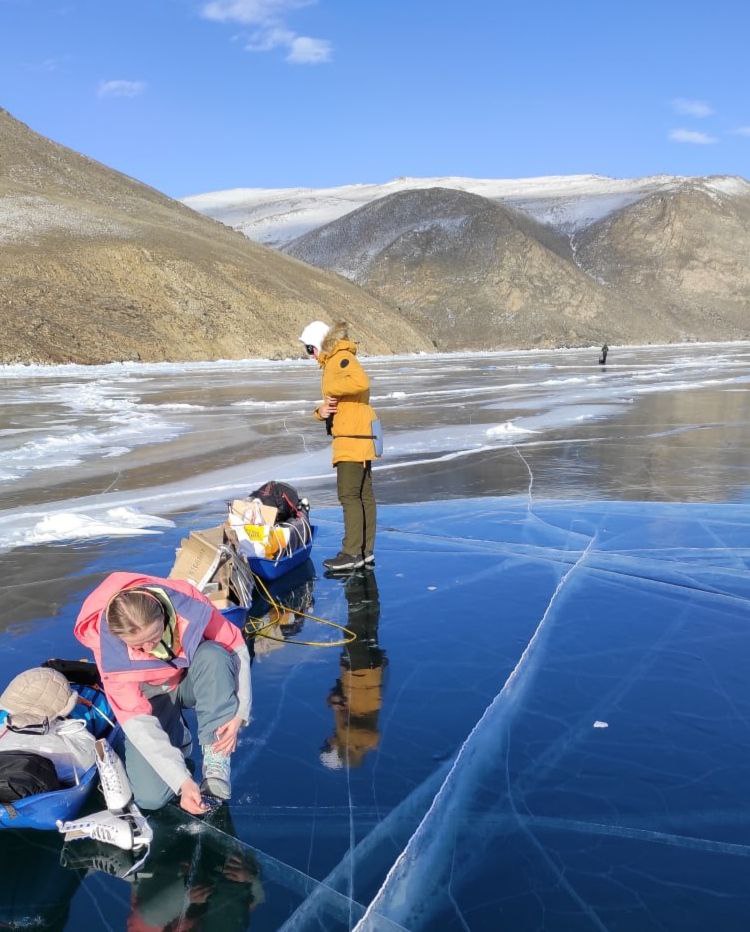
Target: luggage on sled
{"points": [[46, 770], [272, 529]]}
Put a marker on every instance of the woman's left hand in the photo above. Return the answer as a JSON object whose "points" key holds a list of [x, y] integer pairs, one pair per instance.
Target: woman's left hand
{"points": [[226, 736]]}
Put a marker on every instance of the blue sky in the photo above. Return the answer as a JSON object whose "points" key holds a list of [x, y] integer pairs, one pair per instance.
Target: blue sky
{"points": [[193, 96]]}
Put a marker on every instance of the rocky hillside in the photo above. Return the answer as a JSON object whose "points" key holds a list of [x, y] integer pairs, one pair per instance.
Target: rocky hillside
{"points": [[474, 274], [683, 254], [671, 265], [95, 266]]}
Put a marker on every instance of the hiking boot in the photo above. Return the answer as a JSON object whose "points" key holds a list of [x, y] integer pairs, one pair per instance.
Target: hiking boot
{"points": [[114, 779], [217, 773], [343, 561]]}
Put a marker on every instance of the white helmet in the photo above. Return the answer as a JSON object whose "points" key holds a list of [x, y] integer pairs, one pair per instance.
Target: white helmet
{"points": [[314, 334], [330, 758]]}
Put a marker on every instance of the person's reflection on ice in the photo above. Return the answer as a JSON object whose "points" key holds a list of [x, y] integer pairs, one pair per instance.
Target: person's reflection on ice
{"points": [[195, 879], [357, 696]]}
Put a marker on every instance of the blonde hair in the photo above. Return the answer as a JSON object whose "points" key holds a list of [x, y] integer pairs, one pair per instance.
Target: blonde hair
{"points": [[132, 610], [339, 331]]}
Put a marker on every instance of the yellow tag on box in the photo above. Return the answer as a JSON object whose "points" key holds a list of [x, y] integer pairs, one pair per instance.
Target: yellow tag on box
{"points": [[257, 532]]}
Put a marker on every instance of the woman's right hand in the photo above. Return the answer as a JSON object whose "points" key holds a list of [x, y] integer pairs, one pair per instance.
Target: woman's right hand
{"points": [[329, 406], [190, 797]]}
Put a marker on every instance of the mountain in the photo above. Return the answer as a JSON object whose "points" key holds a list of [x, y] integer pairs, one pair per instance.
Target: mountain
{"points": [[683, 253], [474, 274], [276, 216], [95, 266]]}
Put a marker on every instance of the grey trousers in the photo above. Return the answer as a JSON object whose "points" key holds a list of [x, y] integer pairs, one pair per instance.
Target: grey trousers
{"points": [[209, 687]]}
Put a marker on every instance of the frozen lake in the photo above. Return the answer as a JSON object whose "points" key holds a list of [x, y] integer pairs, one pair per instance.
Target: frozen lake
{"points": [[550, 722]]}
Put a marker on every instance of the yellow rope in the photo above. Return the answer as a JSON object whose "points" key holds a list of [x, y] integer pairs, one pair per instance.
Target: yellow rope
{"points": [[279, 609]]}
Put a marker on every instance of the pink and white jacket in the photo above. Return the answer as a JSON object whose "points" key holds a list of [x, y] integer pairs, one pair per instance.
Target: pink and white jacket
{"points": [[129, 677]]}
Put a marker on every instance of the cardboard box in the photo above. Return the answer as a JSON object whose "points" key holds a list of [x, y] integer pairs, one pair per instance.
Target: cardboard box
{"points": [[244, 511], [199, 557]]}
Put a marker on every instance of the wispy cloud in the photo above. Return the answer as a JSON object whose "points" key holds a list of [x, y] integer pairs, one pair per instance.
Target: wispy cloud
{"points": [[741, 131], [251, 12], [120, 88], [693, 108], [48, 64], [269, 17], [693, 137], [307, 51]]}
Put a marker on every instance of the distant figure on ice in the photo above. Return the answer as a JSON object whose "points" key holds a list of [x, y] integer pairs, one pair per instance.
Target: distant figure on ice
{"points": [[603, 357]]}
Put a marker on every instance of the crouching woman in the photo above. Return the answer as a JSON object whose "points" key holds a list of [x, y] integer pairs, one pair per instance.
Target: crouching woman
{"points": [[161, 647]]}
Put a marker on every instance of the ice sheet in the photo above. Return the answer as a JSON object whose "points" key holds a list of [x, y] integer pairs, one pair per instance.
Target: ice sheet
{"points": [[156, 438], [473, 789]]}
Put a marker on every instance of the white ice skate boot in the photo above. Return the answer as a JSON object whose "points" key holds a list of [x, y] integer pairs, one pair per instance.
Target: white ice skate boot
{"points": [[115, 784], [128, 830], [101, 826]]}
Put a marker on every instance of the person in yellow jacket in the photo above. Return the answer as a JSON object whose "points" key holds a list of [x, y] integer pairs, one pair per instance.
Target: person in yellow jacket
{"points": [[349, 420]]}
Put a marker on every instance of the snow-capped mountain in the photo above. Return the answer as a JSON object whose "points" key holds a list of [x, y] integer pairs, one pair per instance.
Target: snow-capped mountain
{"points": [[469, 270], [275, 216]]}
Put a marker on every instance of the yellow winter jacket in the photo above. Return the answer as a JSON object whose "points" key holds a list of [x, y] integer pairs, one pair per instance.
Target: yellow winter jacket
{"points": [[344, 378]]}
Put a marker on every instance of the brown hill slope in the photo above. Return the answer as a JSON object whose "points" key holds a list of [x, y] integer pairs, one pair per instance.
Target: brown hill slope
{"points": [[95, 266], [476, 274], [683, 254]]}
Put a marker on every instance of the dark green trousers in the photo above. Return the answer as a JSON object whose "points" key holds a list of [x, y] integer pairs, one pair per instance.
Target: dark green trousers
{"points": [[354, 487]]}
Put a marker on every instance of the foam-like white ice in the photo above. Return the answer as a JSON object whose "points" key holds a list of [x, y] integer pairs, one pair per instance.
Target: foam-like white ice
{"points": [[62, 525], [283, 403], [86, 421], [509, 429], [115, 422]]}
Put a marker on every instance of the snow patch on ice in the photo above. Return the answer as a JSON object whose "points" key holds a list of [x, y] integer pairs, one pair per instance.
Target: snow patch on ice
{"points": [[508, 429], [64, 526]]}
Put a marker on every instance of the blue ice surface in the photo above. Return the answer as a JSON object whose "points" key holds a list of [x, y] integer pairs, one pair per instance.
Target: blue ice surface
{"points": [[445, 772]]}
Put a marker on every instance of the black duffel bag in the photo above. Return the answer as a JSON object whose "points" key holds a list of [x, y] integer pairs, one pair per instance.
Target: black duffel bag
{"points": [[23, 774], [284, 498]]}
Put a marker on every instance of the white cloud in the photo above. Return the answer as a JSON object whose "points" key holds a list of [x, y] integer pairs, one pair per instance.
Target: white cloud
{"points": [[741, 131], [121, 88], [264, 40], [307, 51], [691, 136], [251, 12], [271, 32], [693, 108]]}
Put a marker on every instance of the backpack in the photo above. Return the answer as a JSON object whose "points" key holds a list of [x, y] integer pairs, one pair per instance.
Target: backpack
{"points": [[283, 497], [23, 774]]}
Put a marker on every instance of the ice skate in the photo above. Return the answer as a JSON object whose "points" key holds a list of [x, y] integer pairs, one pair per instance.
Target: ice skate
{"points": [[114, 779]]}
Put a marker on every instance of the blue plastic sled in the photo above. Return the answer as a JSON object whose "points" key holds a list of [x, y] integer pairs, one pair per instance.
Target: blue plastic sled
{"points": [[275, 569], [42, 810]]}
